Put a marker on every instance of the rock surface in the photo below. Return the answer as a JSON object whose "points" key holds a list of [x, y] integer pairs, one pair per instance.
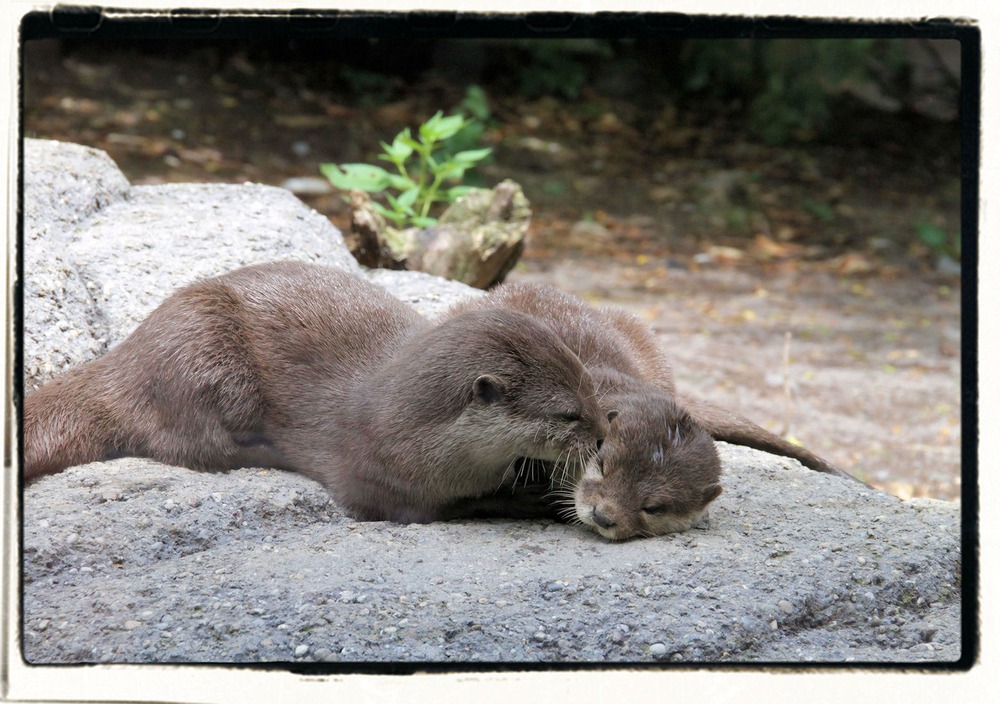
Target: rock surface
{"points": [[133, 561]]}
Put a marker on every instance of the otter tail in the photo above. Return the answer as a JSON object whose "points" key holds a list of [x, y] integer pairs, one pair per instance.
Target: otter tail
{"points": [[64, 426], [732, 427]]}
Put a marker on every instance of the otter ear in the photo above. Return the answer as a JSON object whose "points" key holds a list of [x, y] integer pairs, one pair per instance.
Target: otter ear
{"points": [[710, 494], [487, 388], [612, 415]]}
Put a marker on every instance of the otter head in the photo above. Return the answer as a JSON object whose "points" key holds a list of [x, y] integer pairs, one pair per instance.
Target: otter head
{"points": [[532, 389], [656, 472]]}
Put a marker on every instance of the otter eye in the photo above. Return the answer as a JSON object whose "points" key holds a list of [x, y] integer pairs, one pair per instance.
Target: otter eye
{"points": [[655, 509], [570, 417]]}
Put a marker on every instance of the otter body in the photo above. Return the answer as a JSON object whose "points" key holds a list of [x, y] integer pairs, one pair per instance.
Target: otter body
{"points": [[312, 369], [658, 469]]}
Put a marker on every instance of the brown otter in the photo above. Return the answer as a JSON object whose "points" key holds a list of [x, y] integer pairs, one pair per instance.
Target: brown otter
{"points": [[312, 369], [658, 469]]}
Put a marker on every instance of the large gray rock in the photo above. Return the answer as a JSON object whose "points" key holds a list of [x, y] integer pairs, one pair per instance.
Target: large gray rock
{"points": [[97, 261], [134, 561], [131, 561]]}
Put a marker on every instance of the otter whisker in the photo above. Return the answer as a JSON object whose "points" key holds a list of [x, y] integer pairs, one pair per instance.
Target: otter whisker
{"points": [[568, 514], [503, 478], [524, 469]]}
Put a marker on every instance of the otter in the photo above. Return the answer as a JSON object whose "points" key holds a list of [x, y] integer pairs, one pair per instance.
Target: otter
{"points": [[315, 370], [658, 470]]}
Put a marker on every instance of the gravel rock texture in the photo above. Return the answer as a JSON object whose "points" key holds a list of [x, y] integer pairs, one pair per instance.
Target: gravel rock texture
{"points": [[133, 561]]}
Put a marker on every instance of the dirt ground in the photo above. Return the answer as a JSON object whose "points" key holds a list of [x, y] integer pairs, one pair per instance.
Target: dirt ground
{"points": [[733, 251]]}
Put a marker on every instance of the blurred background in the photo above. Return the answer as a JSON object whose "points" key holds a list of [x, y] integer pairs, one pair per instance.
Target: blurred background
{"points": [[739, 195]]}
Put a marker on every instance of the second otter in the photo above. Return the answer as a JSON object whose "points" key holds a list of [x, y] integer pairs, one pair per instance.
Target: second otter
{"points": [[312, 369], [658, 469]]}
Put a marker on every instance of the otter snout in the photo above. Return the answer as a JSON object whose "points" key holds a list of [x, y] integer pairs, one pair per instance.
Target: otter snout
{"points": [[601, 519], [595, 508], [604, 518]]}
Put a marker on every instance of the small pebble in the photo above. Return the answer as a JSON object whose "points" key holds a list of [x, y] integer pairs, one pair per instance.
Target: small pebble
{"points": [[301, 650], [324, 655], [785, 606], [657, 650], [131, 624], [72, 538]]}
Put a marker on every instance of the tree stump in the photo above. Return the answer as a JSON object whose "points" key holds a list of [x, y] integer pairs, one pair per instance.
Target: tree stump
{"points": [[477, 240]]}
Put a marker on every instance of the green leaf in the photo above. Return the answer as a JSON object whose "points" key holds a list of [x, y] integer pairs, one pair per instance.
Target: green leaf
{"points": [[428, 130], [404, 138], [471, 156], [399, 206], [439, 128], [453, 194], [450, 126], [401, 183], [932, 235], [391, 215], [359, 177], [476, 102], [408, 198], [420, 221], [402, 146], [449, 170]]}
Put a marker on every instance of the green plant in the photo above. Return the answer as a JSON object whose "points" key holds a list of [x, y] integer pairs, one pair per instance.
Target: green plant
{"points": [[476, 105], [938, 240], [819, 210], [787, 85], [559, 67], [372, 88], [423, 167]]}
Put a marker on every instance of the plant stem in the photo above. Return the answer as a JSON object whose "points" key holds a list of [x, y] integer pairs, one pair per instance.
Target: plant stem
{"points": [[431, 192]]}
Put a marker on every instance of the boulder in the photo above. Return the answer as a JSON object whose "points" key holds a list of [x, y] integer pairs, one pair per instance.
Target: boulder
{"points": [[132, 561]]}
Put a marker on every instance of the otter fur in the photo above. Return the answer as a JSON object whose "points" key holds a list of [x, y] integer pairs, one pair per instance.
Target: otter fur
{"points": [[312, 369], [658, 470]]}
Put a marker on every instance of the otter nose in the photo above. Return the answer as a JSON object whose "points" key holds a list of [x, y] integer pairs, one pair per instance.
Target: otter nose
{"points": [[602, 520]]}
